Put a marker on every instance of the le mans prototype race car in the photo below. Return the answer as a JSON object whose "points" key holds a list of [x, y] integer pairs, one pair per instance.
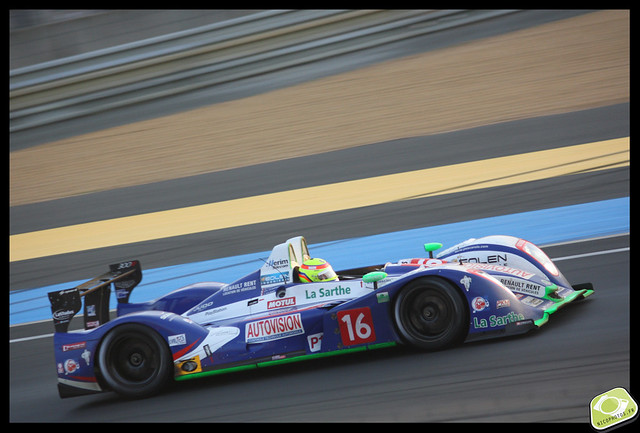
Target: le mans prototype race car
{"points": [[481, 288]]}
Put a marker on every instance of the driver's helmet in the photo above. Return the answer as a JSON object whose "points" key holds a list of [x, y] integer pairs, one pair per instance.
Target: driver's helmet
{"points": [[316, 270]]}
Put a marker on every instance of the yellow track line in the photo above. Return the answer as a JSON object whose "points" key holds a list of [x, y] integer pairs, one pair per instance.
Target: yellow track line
{"points": [[320, 199]]}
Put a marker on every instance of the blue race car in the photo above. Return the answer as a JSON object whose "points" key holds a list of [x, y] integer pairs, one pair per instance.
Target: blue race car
{"points": [[481, 288]]}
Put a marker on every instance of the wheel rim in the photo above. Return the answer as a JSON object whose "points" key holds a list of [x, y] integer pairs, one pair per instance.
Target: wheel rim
{"points": [[428, 314], [133, 360]]}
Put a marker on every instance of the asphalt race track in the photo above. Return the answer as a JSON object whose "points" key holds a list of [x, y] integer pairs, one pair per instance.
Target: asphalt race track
{"points": [[549, 375]]}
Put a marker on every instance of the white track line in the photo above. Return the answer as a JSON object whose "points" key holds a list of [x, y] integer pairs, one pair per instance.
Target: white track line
{"points": [[596, 253]]}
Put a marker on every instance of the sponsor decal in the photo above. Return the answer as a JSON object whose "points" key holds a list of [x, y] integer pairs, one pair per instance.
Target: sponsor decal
{"points": [[121, 294], [215, 311], [493, 258], [466, 282], [498, 268], [421, 262], [74, 346], [521, 286], [495, 321], [177, 340], [71, 366], [315, 342], [278, 264], [356, 326], [201, 307], [479, 303], [326, 293], [239, 287], [253, 302], [63, 314], [91, 310], [93, 324], [382, 297], [532, 302], [501, 303], [279, 303], [273, 328], [269, 279], [126, 265]]}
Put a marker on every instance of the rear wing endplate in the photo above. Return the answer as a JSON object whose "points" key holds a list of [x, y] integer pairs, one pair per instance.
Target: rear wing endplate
{"points": [[96, 292]]}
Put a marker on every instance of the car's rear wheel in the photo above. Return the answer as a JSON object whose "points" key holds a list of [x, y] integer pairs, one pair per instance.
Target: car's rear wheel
{"points": [[431, 314], [135, 361]]}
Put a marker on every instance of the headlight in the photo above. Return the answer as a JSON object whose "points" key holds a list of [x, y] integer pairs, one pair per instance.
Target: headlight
{"points": [[539, 256]]}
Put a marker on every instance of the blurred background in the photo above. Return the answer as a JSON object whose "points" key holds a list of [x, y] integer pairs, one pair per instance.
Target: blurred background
{"points": [[38, 36]]}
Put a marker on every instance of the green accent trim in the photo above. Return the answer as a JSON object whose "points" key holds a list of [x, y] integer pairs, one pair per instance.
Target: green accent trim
{"points": [[285, 361], [214, 372], [372, 277], [549, 291], [552, 309], [432, 246], [544, 319]]}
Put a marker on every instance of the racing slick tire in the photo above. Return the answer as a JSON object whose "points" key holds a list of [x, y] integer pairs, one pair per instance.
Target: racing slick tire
{"points": [[135, 361], [431, 314]]}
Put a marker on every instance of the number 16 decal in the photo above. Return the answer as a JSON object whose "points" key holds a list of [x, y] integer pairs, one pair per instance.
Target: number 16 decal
{"points": [[356, 326]]}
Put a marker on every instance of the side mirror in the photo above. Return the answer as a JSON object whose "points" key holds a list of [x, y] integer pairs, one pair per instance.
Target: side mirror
{"points": [[374, 277], [431, 247]]}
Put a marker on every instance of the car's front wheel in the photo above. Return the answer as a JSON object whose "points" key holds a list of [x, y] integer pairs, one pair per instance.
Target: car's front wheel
{"points": [[431, 314], [135, 361]]}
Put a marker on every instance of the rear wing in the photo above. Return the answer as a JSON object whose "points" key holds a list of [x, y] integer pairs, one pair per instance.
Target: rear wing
{"points": [[96, 292]]}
